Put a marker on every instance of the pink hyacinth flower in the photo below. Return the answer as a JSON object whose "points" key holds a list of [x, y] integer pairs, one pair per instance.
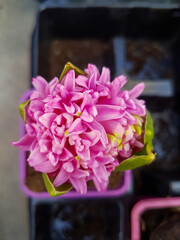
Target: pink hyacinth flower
{"points": [[82, 128]]}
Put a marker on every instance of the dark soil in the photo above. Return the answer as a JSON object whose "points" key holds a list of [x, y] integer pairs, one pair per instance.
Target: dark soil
{"points": [[148, 60], [55, 53], [86, 220], [161, 224]]}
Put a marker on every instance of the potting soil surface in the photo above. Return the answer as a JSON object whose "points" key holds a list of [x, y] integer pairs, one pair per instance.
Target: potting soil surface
{"points": [[53, 55], [161, 224]]}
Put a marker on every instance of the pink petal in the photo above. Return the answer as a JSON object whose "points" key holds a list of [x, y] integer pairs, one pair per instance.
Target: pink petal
{"points": [[69, 119], [53, 83], [31, 129], [76, 96], [84, 154], [105, 75], [56, 130], [87, 101], [54, 103], [137, 90], [40, 85], [79, 184], [60, 141], [92, 81], [63, 92], [92, 69], [69, 81], [108, 112], [36, 157], [47, 119], [82, 81], [130, 119], [86, 116], [46, 167], [106, 159], [36, 105], [94, 136], [101, 187], [66, 155], [131, 104], [70, 109], [68, 166], [53, 158], [138, 144], [79, 173], [24, 143], [44, 145], [61, 177], [76, 127], [112, 126], [117, 84], [101, 173], [97, 126]]}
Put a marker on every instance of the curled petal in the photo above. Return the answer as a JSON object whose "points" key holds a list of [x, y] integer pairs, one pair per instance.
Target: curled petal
{"points": [[92, 81], [68, 166], [94, 136], [82, 81], [79, 184], [92, 69], [69, 81], [24, 143], [47, 119], [65, 155], [40, 84], [97, 126], [76, 128], [101, 173], [105, 76], [53, 83], [86, 116], [137, 90], [100, 186], [44, 145], [78, 173], [113, 127], [61, 177], [36, 157], [84, 154], [108, 112], [46, 167], [53, 158]]}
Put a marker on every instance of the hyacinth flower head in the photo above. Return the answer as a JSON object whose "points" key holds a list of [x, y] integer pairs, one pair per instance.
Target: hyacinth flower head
{"points": [[82, 127]]}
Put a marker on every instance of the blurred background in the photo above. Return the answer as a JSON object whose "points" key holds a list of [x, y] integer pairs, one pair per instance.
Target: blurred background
{"points": [[140, 39], [17, 20]]}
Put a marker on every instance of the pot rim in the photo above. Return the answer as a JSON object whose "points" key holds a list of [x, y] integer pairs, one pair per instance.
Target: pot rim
{"points": [[148, 204]]}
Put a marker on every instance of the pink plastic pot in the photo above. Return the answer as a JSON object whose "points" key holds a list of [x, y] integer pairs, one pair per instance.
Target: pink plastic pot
{"points": [[145, 205], [123, 188]]}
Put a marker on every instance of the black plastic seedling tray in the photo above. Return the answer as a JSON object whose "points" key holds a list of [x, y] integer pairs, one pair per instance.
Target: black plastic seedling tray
{"points": [[76, 219], [142, 43]]}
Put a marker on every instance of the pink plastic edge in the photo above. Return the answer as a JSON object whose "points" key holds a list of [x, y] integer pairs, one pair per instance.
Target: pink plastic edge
{"points": [[147, 204], [72, 194]]}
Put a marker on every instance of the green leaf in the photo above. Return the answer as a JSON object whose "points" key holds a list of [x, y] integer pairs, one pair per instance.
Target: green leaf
{"points": [[22, 109], [69, 66], [135, 162], [54, 192], [149, 129], [149, 147]]}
